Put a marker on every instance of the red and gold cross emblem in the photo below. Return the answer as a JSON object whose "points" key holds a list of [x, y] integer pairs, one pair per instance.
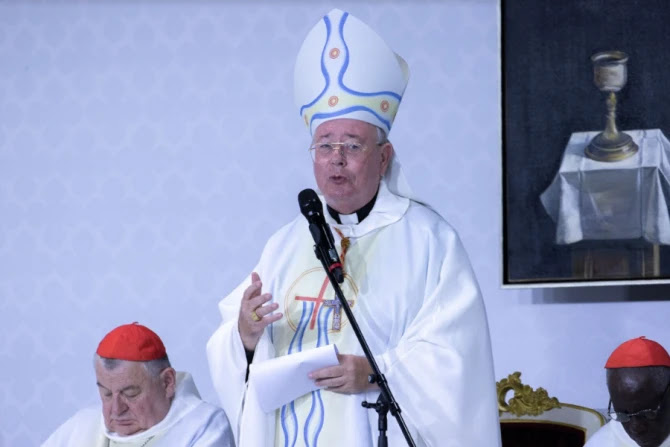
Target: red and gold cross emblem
{"points": [[297, 293], [317, 302]]}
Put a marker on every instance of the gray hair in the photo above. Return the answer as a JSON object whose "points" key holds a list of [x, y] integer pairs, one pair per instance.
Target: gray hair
{"points": [[381, 136], [153, 367]]}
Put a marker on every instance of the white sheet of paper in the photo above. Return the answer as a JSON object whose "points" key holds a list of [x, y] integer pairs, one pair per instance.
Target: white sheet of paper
{"points": [[280, 380]]}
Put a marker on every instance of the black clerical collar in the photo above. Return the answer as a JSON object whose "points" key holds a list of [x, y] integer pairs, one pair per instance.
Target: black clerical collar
{"points": [[353, 218]]}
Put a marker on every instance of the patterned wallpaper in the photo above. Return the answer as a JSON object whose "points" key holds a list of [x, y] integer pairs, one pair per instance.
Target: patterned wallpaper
{"points": [[148, 150]]}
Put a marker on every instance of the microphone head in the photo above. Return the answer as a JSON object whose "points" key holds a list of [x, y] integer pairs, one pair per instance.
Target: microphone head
{"points": [[310, 204]]}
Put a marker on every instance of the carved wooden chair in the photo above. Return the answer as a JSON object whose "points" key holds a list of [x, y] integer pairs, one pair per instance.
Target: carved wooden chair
{"points": [[533, 419]]}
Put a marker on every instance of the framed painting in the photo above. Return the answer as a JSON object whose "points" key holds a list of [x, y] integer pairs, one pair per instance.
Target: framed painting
{"points": [[586, 157]]}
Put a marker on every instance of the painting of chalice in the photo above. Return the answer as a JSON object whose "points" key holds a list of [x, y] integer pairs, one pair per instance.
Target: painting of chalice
{"points": [[586, 156]]}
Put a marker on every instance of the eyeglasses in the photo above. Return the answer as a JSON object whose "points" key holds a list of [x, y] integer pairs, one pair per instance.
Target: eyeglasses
{"points": [[348, 149], [648, 413]]}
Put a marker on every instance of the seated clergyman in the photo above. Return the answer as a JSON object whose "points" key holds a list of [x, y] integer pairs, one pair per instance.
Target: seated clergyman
{"points": [[145, 402], [638, 379]]}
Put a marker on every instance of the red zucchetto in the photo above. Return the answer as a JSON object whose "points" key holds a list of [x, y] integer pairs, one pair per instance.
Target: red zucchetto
{"points": [[132, 342], [638, 352]]}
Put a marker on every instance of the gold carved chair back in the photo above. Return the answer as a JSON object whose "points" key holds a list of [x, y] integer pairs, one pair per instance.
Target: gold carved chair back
{"points": [[531, 418]]}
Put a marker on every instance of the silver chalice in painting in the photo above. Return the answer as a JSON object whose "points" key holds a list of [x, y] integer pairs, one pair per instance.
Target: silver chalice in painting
{"points": [[609, 75]]}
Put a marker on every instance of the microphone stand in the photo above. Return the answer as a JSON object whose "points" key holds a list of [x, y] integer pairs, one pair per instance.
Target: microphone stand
{"points": [[386, 401]]}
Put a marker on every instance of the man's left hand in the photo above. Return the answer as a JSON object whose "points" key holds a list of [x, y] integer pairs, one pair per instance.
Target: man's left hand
{"points": [[349, 377]]}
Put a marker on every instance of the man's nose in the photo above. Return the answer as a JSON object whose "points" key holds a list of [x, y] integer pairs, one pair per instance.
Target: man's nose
{"points": [[118, 406], [338, 158]]}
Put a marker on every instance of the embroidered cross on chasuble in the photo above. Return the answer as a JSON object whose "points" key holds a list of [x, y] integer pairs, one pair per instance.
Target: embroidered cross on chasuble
{"points": [[311, 305], [325, 286]]}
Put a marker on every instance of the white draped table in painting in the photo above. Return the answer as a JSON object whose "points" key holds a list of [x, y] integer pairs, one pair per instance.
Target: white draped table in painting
{"points": [[622, 200]]}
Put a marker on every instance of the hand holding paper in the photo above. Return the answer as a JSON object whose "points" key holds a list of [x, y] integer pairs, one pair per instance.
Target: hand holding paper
{"points": [[280, 380], [349, 377]]}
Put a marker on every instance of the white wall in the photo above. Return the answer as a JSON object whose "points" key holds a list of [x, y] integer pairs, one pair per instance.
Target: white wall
{"points": [[148, 149]]}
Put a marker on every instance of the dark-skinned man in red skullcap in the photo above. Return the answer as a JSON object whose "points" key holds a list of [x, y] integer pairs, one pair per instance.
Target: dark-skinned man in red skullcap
{"points": [[638, 379]]}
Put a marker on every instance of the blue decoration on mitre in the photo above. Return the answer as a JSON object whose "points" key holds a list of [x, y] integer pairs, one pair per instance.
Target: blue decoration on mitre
{"points": [[345, 70]]}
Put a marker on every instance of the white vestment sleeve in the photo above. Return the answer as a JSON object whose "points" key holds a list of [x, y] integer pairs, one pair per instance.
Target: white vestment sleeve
{"points": [[227, 357], [215, 433], [604, 437], [441, 371]]}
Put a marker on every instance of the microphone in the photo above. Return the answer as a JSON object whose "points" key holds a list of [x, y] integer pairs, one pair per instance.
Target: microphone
{"points": [[312, 208]]}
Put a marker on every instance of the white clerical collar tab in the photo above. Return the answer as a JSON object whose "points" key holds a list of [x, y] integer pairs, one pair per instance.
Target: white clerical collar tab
{"points": [[349, 219]]}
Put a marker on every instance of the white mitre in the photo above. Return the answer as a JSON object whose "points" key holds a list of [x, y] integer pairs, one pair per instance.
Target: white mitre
{"points": [[345, 70]]}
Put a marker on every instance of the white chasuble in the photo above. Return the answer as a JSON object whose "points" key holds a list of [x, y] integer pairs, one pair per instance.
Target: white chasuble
{"points": [[314, 318], [416, 300]]}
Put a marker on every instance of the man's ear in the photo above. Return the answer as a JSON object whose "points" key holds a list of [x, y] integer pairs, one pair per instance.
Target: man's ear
{"points": [[387, 154], [168, 378]]}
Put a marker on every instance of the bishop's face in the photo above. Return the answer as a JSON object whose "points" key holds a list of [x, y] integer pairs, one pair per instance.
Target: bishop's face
{"points": [[133, 400], [350, 182]]}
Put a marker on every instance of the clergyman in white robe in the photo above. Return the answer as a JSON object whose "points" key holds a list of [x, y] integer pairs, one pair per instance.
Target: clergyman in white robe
{"points": [[613, 434], [190, 422], [407, 277], [415, 297]]}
